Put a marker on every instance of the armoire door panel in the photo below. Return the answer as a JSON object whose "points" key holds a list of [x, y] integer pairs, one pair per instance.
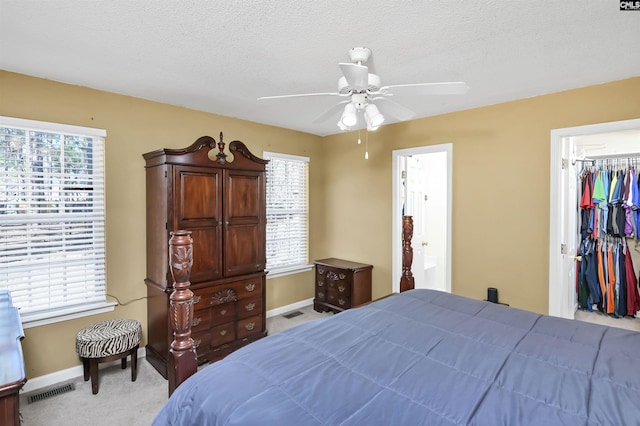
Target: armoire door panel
{"points": [[243, 196], [243, 251], [199, 197], [207, 258]]}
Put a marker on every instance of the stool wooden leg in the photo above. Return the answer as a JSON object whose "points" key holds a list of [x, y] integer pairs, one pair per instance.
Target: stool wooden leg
{"points": [[134, 364], [85, 368], [93, 371]]}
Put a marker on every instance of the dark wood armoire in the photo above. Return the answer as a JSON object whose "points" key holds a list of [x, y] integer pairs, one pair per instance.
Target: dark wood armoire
{"points": [[221, 201]]}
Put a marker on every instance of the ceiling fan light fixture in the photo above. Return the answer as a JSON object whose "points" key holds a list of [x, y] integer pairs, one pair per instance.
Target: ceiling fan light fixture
{"points": [[372, 129], [349, 116], [373, 117], [342, 126]]}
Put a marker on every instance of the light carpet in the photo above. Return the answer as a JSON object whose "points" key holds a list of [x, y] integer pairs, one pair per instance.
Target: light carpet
{"points": [[121, 401]]}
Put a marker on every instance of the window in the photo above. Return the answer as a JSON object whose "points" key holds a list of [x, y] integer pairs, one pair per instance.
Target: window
{"points": [[287, 213], [52, 254]]}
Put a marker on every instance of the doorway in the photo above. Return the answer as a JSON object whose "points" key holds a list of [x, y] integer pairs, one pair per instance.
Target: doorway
{"points": [[422, 189], [568, 146]]}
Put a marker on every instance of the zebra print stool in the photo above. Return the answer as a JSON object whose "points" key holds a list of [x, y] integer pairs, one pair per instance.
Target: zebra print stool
{"points": [[108, 341]]}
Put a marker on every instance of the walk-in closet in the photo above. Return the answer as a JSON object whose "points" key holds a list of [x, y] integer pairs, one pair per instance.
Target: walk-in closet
{"points": [[607, 250]]}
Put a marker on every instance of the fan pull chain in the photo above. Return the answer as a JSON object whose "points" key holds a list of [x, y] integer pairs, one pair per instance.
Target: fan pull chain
{"points": [[366, 147], [359, 141]]}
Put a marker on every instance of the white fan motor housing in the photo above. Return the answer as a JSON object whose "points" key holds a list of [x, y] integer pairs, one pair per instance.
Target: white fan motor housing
{"points": [[372, 86]]}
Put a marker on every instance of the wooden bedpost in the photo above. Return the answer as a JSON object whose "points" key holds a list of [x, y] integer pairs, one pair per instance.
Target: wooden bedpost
{"points": [[406, 280], [182, 361]]}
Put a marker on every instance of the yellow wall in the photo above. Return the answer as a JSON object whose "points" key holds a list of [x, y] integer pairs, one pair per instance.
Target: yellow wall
{"points": [[136, 126], [500, 189], [500, 218]]}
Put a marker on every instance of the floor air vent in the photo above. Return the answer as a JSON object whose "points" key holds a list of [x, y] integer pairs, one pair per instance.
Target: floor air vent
{"points": [[292, 314], [52, 392]]}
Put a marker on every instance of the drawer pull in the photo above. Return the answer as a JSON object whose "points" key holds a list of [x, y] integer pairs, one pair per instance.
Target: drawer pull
{"points": [[341, 288], [342, 302], [223, 312], [342, 276], [223, 332], [196, 299], [250, 306], [250, 287], [321, 271], [320, 283], [196, 343], [196, 322], [332, 276], [250, 326], [321, 294]]}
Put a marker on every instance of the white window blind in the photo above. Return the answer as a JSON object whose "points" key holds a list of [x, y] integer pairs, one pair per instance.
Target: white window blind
{"points": [[52, 251], [287, 212]]}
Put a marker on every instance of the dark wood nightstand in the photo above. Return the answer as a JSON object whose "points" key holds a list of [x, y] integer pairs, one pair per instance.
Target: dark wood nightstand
{"points": [[341, 284]]}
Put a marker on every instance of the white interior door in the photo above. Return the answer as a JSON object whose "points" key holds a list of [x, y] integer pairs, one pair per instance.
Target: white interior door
{"points": [[435, 220]]}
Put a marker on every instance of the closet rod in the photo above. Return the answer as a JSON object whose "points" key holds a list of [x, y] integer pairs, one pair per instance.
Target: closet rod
{"points": [[592, 159], [629, 155]]}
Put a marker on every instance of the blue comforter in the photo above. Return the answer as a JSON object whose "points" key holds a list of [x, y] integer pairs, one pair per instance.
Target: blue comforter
{"points": [[422, 357]]}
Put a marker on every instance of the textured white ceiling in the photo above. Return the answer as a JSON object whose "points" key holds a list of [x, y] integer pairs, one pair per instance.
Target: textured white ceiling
{"points": [[220, 56]]}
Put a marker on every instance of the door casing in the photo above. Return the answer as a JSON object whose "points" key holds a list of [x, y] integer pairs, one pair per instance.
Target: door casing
{"points": [[396, 214]]}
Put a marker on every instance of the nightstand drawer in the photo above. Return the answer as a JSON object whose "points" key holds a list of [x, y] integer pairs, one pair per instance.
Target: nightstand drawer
{"points": [[338, 299], [342, 287]]}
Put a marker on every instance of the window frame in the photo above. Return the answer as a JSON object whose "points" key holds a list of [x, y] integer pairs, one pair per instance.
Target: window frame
{"points": [[293, 268], [66, 312]]}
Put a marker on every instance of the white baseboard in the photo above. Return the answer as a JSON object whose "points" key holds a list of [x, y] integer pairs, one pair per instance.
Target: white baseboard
{"points": [[51, 379], [292, 307]]}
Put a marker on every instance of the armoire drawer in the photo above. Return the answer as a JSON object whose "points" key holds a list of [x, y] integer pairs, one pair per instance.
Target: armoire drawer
{"points": [[222, 334], [225, 293], [247, 288], [249, 307], [249, 326], [223, 313], [201, 320]]}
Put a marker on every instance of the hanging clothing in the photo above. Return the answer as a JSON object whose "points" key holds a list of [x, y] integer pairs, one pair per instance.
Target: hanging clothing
{"points": [[633, 296], [609, 214]]}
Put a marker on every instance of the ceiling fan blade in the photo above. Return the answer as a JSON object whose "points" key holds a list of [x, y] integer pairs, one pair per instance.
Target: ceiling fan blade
{"points": [[394, 109], [300, 95], [450, 88], [330, 112], [357, 75]]}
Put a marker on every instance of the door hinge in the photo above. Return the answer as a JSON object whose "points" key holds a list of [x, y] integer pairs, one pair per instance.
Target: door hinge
{"points": [[565, 163], [563, 249], [165, 173]]}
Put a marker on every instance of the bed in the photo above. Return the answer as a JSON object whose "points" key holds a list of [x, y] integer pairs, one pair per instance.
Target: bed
{"points": [[417, 357], [421, 357]]}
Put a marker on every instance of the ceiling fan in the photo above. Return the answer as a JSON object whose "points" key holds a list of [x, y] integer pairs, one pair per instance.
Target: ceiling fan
{"points": [[363, 91]]}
